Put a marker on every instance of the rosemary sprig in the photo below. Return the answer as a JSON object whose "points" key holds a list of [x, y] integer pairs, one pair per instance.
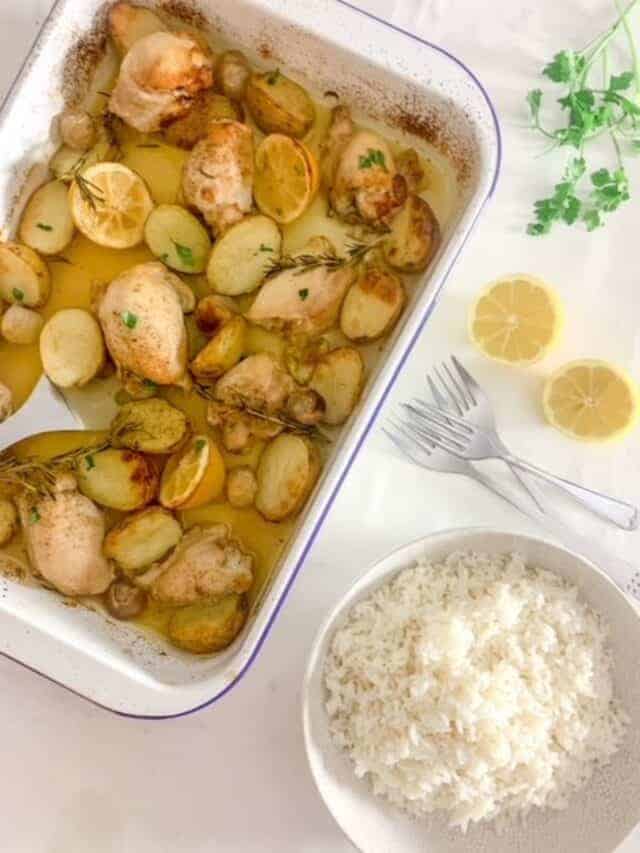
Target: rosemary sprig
{"points": [[39, 476], [89, 191], [356, 252]]}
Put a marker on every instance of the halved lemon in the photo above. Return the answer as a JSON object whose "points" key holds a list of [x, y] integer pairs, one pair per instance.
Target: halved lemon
{"points": [[110, 204], [591, 400], [286, 178], [194, 476], [516, 319]]}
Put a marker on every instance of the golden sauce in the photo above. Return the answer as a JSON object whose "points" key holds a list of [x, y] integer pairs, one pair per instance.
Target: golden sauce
{"points": [[88, 264]]}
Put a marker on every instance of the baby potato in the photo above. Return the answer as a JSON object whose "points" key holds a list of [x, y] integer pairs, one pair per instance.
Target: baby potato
{"points": [[338, 378], [240, 258], [414, 238], [278, 105], [20, 325], [222, 352], [149, 426], [213, 311], [207, 106], [125, 601], [77, 130], [129, 23], [142, 539], [46, 223], [8, 521], [203, 628], [177, 238], [118, 479], [372, 305], [242, 486], [24, 277], [72, 348], [288, 470], [232, 74], [6, 402]]}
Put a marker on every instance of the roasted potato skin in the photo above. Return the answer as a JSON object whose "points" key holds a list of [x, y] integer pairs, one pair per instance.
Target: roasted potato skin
{"points": [[149, 426], [8, 521], [204, 628], [16, 258], [77, 130], [212, 312], [222, 352], [306, 406], [142, 538], [278, 105], [47, 225], [125, 601], [287, 472], [372, 305], [338, 379], [415, 236], [207, 106], [20, 325], [72, 348], [118, 479], [232, 72], [242, 486]]}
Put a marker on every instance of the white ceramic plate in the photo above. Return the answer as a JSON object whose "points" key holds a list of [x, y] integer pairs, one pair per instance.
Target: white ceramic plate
{"points": [[598, 819]]}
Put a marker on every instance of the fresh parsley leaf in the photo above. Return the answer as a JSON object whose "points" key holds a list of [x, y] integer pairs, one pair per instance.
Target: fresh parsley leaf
{"points": [[130, 320], [565, 67], [534, 99], [200, 445], [373, 157], [148, 383], [44, 227], [264, 248], [185, 254], [34, 516], [620, 82], [303, 293], [17, 294], [90, 462], [272, 77]]}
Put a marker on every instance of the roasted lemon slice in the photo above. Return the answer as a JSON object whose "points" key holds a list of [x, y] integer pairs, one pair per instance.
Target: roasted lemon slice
{"points": [[286, 178], [110, 204], [591, 400], [193, 476], [517, 319]]}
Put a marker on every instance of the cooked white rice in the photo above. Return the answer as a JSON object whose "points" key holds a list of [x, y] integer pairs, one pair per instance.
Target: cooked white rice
{"points": [[478, 686]]}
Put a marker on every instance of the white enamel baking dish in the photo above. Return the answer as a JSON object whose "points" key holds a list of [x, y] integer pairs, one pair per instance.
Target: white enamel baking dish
{"points": [[384, 73]]}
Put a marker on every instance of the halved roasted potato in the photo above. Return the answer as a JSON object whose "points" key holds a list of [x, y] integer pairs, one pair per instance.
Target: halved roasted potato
{"points": [[414, 238], [240, 258], [46, 223], [118, 479], [372, 305], [207, 106], [222, 352], [278, 105], [149, 426], [24, 277], [129, 23], [287, 472], [177, 238], [142, 538], [20, 325], [213, 311], [232, 74], [205, 627], [72, 348], [338, 379]]}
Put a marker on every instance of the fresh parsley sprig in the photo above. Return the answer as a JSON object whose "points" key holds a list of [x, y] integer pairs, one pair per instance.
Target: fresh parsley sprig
{"points": [[584, 194]]}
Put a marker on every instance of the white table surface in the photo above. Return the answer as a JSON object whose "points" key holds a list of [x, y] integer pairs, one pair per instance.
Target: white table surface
{"points": [[234, 777]]}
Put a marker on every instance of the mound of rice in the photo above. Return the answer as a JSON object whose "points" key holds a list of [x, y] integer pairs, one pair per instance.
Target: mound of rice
{"points": [[478, 686]]}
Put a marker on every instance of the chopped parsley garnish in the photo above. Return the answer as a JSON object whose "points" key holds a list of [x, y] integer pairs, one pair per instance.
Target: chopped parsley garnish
{"points": [[44, 227], [303, 293], [185, 254], [201, 443], [90, 462], [18, 294], [272, 78], [34, 516], [150, 384], [164, 257], [130, 320], [374, 157], [264, 248]]}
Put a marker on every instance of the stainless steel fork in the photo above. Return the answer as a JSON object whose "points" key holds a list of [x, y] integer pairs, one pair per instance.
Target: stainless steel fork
{"points": [[417, 443], [472, 432]]}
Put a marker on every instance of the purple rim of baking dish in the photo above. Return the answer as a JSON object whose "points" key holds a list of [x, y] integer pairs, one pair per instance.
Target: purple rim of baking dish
{"points": [[375, 413]]}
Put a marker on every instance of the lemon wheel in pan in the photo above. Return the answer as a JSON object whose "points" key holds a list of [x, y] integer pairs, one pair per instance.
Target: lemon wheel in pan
{"points": [[286, 179], [110, 205]]}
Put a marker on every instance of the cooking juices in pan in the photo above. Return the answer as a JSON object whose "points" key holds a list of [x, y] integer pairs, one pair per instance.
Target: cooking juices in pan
{"points": [[290, 237]]}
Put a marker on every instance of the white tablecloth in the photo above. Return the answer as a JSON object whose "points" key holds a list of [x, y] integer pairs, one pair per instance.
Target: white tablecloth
{"points": [[234, 777]]}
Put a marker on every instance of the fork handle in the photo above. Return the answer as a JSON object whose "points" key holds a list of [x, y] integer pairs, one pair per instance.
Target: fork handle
{"points": [[619, 512]]}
